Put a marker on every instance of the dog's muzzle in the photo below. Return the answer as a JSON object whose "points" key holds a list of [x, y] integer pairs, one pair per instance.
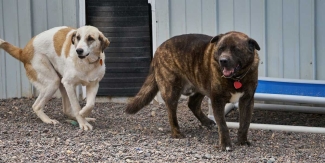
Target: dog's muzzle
{"points": [[228, 70], [80, 52]]}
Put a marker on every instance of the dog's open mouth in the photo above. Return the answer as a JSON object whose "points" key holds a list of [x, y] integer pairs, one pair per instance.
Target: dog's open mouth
{"points": [[228, 72], [83, 56]]}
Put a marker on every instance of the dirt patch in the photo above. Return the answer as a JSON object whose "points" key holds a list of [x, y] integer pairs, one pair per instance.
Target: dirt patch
{"points": [[145, 137]]}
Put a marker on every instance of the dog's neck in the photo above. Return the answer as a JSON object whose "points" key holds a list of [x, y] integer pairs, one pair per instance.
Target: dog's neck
{"points": [[94, 61]]}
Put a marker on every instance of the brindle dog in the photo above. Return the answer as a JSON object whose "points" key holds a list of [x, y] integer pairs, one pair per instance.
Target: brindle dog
{"points": [[223, 68]]}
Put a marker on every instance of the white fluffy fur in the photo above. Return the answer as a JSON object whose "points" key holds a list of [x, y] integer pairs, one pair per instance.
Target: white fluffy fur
{"points": [[235, 97]]}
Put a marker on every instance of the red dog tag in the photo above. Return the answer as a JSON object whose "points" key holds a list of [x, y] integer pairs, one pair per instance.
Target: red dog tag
{"points": [[237, 84]]}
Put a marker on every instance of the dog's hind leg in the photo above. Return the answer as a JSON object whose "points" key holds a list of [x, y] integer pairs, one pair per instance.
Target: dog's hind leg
{"points": [[194, 103], [46, 93], [170, 93]]}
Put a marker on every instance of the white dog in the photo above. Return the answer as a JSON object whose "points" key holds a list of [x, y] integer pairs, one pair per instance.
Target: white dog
{"points": [[62, 58]]}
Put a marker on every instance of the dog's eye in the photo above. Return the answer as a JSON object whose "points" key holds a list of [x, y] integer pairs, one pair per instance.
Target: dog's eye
{"points": [[221, 48], [78, 37], [90, 38]]}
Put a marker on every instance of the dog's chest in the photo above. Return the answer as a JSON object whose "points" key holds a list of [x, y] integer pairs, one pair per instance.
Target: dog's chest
{"points": [[235, 97], [91, 76]]}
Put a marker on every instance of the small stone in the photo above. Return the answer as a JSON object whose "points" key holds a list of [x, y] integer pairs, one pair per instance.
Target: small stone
{"points": [[207, 156], [153, 113], [69, 152], [154, 108], [158, 142], [160, 129], [197, 156], [271, 160], [147, 154], [128, 160]]}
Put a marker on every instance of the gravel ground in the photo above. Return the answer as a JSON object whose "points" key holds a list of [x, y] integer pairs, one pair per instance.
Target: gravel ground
{"points": [[145, 137]]}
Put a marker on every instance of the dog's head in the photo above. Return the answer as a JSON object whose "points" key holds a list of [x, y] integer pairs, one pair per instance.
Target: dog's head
{"points": [[234, 51], [88, 40]]}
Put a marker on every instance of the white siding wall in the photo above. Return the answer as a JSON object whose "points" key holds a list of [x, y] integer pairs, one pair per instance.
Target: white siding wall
{"points": [[20, 20], [291, 33]]}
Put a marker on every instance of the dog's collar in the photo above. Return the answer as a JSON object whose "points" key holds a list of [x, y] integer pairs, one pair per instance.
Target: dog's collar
{"points": [[98, 59], [237, 83]]}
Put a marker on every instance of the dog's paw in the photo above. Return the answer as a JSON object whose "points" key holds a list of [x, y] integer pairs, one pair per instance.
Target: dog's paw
{"points": [[51, 121], [85, 126], [246, 142], [209, 123], [226, 148], [178, 135]]}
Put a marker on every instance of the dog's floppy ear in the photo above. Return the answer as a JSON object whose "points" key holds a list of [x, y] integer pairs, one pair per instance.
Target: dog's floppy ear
{"points": [[73, 36], [103, 42], [253, 45], [216, 38]]}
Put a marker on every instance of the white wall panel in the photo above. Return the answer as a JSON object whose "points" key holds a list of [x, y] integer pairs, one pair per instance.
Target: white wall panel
{"points": [[2, 57], [39, 15], [193, 16], [258, 30], [307, 39], [54, 12], [274, 38], [320, 39], [11, 34], [162, 18], [225, 15], [24, 30], [291, 53], [177, 17], [242, 19], [209, 9]]}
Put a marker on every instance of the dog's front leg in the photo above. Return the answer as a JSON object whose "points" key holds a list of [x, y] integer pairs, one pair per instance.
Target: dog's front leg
{"points": [[91, 91], [246, 104], [83, 124], [218, 106]]}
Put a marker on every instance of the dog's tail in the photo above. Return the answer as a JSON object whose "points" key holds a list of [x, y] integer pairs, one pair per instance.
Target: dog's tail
{"points": [[146, 94], [14, 51]]}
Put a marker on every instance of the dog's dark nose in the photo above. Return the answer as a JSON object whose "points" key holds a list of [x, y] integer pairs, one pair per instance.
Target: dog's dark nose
{"points": [[79, 51], [223, 61]]}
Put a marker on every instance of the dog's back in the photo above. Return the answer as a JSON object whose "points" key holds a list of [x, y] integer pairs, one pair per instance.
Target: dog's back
{"points": [[54, 42], [189, 56], [182, 56]]}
